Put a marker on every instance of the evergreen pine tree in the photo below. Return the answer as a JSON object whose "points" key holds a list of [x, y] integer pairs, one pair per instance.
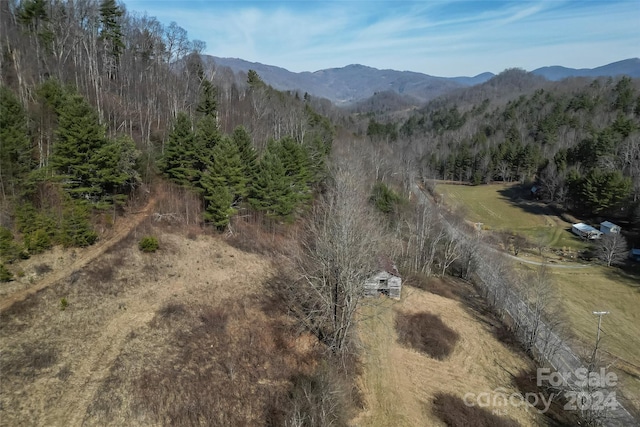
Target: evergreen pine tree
{"points": [[272, 191], [218, 200], [254, 80], [75, 228], [208, 105], [179, 162], [207, 137], [116, 168], [79, 137], [227, 165], [15, 147], [248, 155], [295, 161], [9, 249], [207, 130], [111, 33]]}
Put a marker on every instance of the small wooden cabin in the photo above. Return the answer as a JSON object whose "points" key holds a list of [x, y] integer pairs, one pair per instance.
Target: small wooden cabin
{"points": [[387, 282]]}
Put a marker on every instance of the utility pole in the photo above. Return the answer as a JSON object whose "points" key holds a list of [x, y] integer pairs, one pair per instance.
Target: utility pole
{"points": [[599, 314]]}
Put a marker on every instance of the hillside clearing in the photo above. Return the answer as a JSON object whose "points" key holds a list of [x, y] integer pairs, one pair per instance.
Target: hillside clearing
{"points": [[124, 319], [399, 384]]}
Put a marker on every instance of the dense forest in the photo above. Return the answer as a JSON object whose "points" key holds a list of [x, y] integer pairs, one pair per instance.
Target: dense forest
{"points": [[97, 101], [577, 140]]}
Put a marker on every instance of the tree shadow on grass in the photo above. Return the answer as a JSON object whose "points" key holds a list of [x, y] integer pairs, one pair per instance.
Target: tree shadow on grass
{"points": [[519, 195], [627, 273]]}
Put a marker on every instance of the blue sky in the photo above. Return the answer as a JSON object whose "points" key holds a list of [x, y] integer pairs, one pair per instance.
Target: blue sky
{"points": [[441, 38]]}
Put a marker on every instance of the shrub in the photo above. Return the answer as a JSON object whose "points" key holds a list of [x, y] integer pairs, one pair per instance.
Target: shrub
{"points": [[148, 244], [454, 412], [5, 274], [37, 241], [75, 228], [384, 198], [63, 304], [9, 251], [426, 333], [28, 220]]}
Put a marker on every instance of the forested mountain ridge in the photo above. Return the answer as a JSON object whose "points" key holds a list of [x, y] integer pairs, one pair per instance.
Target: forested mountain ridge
{"points": [[578, 139], [350, 84], [355, 83]]}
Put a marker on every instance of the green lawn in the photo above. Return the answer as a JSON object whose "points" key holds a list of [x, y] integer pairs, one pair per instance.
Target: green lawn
{"points": [[503, 207]]}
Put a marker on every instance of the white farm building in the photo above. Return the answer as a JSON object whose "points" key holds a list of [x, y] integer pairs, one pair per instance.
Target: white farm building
{"points": [[607, 227], [585, 231]]}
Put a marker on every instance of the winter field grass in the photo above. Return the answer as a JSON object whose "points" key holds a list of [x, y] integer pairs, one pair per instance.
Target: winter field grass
{"points": [[600, 288], [503, 207]]}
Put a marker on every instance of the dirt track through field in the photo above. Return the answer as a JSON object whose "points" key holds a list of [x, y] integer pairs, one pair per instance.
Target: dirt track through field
{"points": [[122, 228], [86, 379], [95, 339]]}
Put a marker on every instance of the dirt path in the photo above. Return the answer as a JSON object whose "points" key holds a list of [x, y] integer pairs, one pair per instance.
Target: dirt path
{"points": [[548, 264], [82, 385], [122, 228]]}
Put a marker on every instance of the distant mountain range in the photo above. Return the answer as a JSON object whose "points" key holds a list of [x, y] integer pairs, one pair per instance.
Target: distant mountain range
{"points": [[627, 67], [355, 83]]}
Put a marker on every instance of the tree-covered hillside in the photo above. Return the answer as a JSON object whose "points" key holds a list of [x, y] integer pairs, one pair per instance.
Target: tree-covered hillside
{"points": [[97, 102], [578, 139]]}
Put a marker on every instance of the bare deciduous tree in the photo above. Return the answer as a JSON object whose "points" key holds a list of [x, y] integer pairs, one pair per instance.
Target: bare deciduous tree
{"points": [[612, 248], [450, 252], [424, 235], [341, 252], [538, 293]]}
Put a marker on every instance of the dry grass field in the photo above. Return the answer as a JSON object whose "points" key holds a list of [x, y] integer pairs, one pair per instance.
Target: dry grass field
{"points": [[501, 207], [399, 384], [176, 337]]}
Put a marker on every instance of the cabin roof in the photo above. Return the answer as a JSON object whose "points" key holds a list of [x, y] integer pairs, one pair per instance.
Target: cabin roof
{"points": [[389, 266]]}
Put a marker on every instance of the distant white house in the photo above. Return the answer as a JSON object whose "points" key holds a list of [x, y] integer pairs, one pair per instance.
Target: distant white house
{"points": [[608, 227], [585, 231], [387, 281]]}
